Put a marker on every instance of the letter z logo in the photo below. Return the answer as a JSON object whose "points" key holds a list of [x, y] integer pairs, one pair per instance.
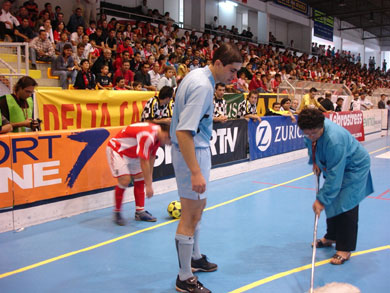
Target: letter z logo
{"points": [[263, 135]]}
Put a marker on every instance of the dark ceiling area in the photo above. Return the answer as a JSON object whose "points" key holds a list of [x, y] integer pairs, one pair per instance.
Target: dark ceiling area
{"points": [[371, 16]]}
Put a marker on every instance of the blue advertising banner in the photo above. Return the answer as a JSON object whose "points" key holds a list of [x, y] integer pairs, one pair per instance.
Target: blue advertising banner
{"points": [[273, 136], [228, 143], [323, 25]]}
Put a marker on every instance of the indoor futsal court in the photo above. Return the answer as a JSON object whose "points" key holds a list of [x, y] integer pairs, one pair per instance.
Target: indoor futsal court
{"points": [[258, 227]]}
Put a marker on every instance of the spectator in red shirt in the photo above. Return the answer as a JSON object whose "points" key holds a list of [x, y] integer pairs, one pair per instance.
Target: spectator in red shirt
{"points": [[126, 73], [255, 83], [125, 46], [275, 82]]}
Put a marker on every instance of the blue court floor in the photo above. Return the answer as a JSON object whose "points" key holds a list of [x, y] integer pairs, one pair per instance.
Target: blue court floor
{"points": [[257, 227]]}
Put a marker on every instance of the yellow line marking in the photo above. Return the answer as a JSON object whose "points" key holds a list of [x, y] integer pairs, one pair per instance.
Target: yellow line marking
{"points": [[255, 192], [300, 269], [378, 150], [50, 260]]}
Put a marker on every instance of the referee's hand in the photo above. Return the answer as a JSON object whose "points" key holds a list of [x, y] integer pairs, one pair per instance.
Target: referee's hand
{"points": [[198, 183]]}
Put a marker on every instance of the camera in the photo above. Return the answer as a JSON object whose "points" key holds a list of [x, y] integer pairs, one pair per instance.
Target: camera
{"points": [[35, 124]]}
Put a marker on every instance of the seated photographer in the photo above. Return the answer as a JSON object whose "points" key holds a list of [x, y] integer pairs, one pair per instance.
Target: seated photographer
{"points": [[17, 107]]}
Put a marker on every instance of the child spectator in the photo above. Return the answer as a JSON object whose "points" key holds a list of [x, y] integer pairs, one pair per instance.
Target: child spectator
{"points": [[94, 52], [92, 28], [103, 81], [166, 80], [120, 84], [242, 86], [137, 86], [85, 79]]}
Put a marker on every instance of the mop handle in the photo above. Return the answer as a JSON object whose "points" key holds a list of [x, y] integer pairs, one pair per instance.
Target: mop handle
{"points": [[313, 257]]}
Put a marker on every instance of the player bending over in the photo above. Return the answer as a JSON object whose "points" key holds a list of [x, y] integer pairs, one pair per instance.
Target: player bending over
{"points": [[131, 154]]}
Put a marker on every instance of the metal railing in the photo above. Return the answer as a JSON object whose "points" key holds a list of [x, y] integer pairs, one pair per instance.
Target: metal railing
{"points": [[18, 71]]}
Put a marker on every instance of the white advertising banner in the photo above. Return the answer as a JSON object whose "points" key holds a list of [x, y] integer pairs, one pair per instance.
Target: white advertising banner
{"points": [[372, 121]]}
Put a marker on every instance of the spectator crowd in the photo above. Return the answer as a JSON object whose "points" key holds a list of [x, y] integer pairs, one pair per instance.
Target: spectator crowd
{"points": [[144, 55]]}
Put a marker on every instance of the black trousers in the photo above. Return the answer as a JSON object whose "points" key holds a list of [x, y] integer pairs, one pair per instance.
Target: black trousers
{"points": [[343, 229]]}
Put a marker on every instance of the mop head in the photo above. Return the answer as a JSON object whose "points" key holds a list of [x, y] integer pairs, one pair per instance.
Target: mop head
{"points": [[337, 288]]}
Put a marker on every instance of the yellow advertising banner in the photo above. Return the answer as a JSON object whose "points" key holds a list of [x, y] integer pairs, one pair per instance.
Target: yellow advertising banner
{"points": [[39, 166], [76, 109]]}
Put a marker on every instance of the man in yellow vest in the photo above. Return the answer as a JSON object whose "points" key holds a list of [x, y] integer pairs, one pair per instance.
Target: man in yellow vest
{"points": [[5, 126], [309, 102], [17, 107]]}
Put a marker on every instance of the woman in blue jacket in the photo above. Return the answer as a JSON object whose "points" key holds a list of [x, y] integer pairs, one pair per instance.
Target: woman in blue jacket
{"points": [[346, 168]]}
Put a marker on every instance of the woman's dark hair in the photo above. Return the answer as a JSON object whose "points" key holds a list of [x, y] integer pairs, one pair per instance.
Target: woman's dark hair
{"points": [[24, 82], [227, 54], [165, 92], [311, 119], [284, 101]]}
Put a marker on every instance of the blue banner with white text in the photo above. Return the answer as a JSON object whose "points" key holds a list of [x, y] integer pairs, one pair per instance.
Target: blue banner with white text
{"points": [[272, 136], [323, 25]]}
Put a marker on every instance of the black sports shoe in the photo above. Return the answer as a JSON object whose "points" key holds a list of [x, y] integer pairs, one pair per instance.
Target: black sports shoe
{"points": [[203, 265], [190, 285], [118, 219]]}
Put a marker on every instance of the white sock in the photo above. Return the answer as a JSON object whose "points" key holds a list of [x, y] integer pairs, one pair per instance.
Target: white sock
{"points": [[184, 247], [196, 251]]}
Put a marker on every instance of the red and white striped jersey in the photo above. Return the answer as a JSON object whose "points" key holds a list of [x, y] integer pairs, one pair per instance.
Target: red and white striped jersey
{"points": [[137, 140]]}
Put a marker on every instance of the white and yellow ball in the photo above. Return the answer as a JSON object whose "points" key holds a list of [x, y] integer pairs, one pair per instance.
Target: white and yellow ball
{"points": [[174, 209]]}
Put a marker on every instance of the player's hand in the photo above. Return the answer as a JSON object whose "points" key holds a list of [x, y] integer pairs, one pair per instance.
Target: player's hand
{"points": [[149, 191], [318, 207], [316, 170], [198, 183]]}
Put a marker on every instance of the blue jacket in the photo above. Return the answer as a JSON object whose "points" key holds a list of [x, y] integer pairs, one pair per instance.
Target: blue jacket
{"points": [[345, 164]]}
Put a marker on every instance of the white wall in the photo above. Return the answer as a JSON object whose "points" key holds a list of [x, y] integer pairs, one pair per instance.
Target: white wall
{"points": [[171, 6], [252, 23], [198, 16], [279, 29], [187, 13], [262, 27], [211, 11], [227, 15]]}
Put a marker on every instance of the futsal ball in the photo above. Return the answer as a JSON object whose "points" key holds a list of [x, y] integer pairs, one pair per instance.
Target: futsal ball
{"points": [[174, 209]]}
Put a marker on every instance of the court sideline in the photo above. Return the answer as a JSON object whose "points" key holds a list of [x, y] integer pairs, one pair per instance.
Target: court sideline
{"points": [[257, 226]]}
